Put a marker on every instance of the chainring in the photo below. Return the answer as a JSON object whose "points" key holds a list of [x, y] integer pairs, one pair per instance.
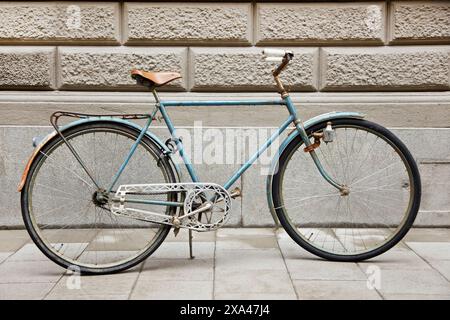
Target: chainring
{"points": [[214, 217]]}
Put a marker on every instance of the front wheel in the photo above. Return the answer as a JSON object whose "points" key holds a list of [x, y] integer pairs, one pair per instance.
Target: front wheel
{"points": [[384, 192]]}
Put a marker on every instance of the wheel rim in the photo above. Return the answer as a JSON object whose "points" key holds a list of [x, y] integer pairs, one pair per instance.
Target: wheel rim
{"points": [[92, 237], [381, 192]]}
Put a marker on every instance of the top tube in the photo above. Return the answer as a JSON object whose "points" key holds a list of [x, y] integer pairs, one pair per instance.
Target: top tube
{"points": [[222, 103]]}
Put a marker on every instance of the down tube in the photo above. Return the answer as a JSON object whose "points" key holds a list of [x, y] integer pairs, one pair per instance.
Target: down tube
{"points": [[253, 158]]}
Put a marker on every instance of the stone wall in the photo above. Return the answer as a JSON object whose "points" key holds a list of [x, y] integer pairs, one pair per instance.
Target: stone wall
{"points": [[388, 59], [92, 45]]}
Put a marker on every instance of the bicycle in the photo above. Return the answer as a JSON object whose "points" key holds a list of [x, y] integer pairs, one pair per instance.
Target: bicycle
{"points": [[101, 193]]}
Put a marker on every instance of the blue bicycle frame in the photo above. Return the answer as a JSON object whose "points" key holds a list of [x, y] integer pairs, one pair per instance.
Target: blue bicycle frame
{"points": [[162, 105]]}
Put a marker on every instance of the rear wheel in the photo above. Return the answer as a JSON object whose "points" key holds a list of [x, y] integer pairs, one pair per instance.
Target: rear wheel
{"points": [[384, 192], [64, 214]]}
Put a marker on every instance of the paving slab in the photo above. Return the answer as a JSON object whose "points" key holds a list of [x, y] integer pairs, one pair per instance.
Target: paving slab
{"points": [[74, 286], [178, 269], [334, 290], [12, 240], [241, 243], [253, 238], [395, 259], [4, 256], [246, 259], [291, 250], [180, 250], [29, 252], [183, 236], [122, 240], [416, 297], [431, 250], [249, 281], [235, 263], [243, 232], [428, 235], [30, 272], [70, 236], [255, 296], [24, 291], [87, 297], [323, 270], [428, 282], [172, 290], [442, 266]]}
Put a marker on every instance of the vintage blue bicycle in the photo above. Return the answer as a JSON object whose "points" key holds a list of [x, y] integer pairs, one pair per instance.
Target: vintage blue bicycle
{"points": [[101, 193]]}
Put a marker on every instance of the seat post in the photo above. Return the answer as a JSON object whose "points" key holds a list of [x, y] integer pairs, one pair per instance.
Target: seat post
{"points": [[155, 94]]}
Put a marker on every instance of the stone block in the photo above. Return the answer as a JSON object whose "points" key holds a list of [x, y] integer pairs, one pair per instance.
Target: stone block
{"points": [[419, 22], [385, 69], [108, 68], [320, 23], [165, 23], [53, 22], [243, 69], [27, 68]]}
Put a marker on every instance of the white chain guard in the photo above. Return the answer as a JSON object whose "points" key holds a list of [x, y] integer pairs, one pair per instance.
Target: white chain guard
{"points": [[121, 208]]}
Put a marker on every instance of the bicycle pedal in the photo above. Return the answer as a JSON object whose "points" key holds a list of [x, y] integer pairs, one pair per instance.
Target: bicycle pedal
{"points": [[176, 231]]}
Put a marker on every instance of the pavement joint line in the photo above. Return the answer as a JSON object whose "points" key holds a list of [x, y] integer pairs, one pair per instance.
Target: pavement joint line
{"points": [[285, 265], [56, 283], [53, 287], [9, 256], [133, 287], [427, 262], [60, 278], [34, 282], [14, 252], [331, 280], [365, 274]]}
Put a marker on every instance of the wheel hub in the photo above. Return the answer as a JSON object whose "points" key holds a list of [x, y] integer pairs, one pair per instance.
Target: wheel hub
{"points": [[345, 191], [100, 197]]}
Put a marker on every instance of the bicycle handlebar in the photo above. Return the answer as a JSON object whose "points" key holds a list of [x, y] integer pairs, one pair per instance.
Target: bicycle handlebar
{"points": [[274, 59], [282, 56], [274, 53], [277, 55]]}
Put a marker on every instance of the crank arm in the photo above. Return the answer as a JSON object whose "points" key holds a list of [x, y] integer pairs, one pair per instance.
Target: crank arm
{"points": [[203, 208]]}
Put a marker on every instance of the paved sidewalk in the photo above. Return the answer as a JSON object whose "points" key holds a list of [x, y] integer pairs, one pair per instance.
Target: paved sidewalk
{"points": [[238, 264]]}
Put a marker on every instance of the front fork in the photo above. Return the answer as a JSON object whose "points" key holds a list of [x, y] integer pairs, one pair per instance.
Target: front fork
{"points": [[308, 145], [312, 152]]}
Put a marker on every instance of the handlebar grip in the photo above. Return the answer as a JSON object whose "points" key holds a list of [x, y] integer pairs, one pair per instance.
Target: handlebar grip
{"points": [[274, 59], [273, 53]]}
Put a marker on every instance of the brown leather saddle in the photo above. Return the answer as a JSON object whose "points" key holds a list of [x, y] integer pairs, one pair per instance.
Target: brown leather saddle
{"points": [[154, 79]]}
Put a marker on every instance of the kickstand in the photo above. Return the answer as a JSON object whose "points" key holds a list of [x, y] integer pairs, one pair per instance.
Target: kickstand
{"points": [[190, 245]]}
